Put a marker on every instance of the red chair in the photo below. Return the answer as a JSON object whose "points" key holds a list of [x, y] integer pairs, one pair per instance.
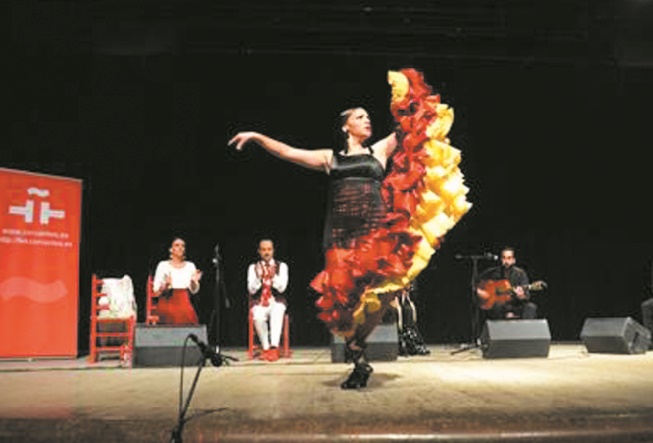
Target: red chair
{"points": [[109, 335], [253, 348], [151, 317]]}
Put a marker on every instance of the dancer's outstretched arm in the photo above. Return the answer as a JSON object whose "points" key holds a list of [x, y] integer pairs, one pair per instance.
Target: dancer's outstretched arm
{"points": [[319, 159]]}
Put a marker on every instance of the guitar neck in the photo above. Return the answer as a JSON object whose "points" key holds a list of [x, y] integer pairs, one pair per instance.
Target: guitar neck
{"points": [[535, 286]]}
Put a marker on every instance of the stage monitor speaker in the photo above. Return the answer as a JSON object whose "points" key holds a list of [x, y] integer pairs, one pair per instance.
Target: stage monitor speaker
{"points": [[647, 316], [382, 345], [615, 335], [162, 345], [515, 338]]}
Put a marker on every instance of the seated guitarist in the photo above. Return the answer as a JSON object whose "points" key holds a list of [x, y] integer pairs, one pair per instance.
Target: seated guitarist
{"points": [[503, 290]]}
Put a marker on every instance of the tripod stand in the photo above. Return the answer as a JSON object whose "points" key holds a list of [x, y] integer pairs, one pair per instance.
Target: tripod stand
{"points": [[474, 314]]}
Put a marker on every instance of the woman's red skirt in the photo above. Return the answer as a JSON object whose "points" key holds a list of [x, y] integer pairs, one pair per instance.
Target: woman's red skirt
{"points": [[176, 309]]}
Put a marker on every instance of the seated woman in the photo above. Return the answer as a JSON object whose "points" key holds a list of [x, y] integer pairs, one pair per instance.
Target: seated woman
{"points": [[174, 280]]}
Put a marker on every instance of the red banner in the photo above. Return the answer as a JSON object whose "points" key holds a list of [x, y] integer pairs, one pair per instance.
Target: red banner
{"points": [[39, 278]]}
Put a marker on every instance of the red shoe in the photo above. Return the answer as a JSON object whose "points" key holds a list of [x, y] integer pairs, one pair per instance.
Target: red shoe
{"points": [[271, 354]]}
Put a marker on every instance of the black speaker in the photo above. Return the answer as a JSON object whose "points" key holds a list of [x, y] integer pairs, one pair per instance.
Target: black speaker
{"points": [[382, 345], [647, 316], [515, 338], [615, 335], [163, 345]]}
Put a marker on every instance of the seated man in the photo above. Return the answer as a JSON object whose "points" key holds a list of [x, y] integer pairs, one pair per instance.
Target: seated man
{"points": [[503, 290], [267, 280]]}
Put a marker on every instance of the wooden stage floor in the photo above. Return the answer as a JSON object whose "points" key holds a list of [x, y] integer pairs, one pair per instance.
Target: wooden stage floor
{"points": [[571, 396]]}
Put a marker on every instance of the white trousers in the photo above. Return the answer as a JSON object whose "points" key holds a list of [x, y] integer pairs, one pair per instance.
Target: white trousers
{"points": [[273, 313]]}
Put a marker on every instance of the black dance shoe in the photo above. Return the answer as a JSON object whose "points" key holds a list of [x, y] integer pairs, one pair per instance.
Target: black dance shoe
{"points": [[358, 377]]}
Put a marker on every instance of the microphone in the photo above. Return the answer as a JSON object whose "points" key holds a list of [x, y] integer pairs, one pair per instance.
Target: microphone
{"points": [[216, 358], [217, 258], [484, 256]]}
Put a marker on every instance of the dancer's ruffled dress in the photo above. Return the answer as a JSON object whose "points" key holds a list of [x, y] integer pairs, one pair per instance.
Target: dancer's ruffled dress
{"points": [[382, 229]]}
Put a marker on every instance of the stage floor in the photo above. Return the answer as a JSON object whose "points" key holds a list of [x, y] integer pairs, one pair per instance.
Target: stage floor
{"points": [[569, 396]]}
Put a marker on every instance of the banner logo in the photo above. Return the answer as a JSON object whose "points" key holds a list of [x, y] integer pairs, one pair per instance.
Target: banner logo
{"points": [[45, 212]]}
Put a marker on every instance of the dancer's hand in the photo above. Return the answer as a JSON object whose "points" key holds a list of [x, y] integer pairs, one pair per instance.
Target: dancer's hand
{"points": [[241, 138]]}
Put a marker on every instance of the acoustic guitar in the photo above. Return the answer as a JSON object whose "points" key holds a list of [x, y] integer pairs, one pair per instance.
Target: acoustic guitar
{"points": [[500, 292]]}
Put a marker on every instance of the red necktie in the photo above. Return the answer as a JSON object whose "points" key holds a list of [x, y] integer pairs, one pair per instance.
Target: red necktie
{"points": [[266, 294]]}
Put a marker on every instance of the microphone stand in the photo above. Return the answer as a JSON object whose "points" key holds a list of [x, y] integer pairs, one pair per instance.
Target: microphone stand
{"points": [[205, 353], [474, 307], [176, 436], [219, 293]]}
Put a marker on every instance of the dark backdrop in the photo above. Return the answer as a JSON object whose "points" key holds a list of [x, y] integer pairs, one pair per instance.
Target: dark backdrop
{"points": [[551, 114]]}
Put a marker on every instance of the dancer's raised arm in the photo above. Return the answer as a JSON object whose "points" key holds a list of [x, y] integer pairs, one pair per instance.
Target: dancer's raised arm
{"points": [[384, 148], [319, 159]]}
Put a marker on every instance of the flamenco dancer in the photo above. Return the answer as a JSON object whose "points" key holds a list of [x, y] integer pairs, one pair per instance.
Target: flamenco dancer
{"points": [[382, 226]]}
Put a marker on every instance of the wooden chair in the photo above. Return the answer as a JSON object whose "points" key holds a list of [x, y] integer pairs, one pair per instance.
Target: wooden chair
{"points": [[151, 317], [253, 347], [102, 339]]}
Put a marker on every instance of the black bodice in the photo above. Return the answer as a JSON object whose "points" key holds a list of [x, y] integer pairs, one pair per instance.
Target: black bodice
{"points": [[356, 166], [355, 203]]}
